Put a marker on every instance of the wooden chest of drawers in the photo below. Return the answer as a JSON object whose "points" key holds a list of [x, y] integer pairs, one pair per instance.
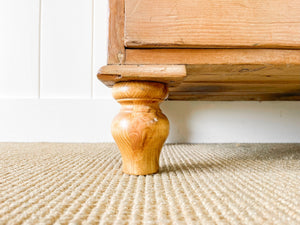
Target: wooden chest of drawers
{"points": [[202, 50]]}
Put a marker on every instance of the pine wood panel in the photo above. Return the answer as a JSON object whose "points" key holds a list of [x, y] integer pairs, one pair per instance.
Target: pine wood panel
{"points": [[260, 74], [246, 96], [116, 48], [212, 56], [212, 24], [233, 87], [236, 91], [229, 74]]}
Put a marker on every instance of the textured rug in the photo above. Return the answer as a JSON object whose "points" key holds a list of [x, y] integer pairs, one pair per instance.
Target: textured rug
{"points": [[197, 184]]}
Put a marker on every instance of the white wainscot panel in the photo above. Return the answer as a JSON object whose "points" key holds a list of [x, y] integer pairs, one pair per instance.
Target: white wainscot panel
{"points": [[101, 20], [56, 120], [19, 48], [66, 49]]}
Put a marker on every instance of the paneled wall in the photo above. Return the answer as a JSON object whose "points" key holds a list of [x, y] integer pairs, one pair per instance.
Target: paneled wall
{"points": [[66, 49], [19, 48], [50, 51]]}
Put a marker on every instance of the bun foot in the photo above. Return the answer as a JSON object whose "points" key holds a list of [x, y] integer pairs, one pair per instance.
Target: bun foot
{"points": [[140, 129]]}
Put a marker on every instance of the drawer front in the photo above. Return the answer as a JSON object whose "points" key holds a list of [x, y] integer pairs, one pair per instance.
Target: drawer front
{"points": [[212, 24]]}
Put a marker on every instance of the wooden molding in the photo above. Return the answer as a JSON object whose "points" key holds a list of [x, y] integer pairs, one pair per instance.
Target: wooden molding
{"points": [[212, 56], [172, 75]]}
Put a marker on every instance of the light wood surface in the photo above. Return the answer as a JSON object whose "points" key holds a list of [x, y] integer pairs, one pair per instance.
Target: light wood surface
{"points": [[212, 24], [230, 61], [172, 75], [229, 74], [234, 96], [212, 56], [116, 48], [236, 87], [140, 129]]}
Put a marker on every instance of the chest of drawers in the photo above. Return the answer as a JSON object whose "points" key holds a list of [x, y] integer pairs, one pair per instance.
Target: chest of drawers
{"points": [[225, 50]]}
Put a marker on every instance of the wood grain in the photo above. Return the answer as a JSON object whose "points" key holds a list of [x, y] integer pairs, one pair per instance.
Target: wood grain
{"points": [[236, 87], [140, 129], [228, 73], [236, 91], [212, 24], [169, 74], [245, 96], [212, 56], [116, 48]]}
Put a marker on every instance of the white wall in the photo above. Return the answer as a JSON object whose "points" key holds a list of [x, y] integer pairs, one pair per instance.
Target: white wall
{"points": [[50, 52]]}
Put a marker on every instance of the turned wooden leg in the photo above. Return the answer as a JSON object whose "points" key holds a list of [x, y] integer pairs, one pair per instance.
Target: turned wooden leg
{"points": [[140, 129]]}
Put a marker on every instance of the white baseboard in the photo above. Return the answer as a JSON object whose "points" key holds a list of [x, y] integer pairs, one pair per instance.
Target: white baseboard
{"points": [[234, 122], [58, 120]]}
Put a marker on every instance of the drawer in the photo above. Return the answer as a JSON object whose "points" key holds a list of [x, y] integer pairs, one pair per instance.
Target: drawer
{"points": [[212, 24]]}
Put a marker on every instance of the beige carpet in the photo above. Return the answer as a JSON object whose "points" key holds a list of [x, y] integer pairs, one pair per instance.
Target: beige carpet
{"points": [[197, 184]]}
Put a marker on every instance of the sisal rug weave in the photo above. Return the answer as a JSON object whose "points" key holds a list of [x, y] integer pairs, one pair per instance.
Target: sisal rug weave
{"points": [[197, 184]]}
